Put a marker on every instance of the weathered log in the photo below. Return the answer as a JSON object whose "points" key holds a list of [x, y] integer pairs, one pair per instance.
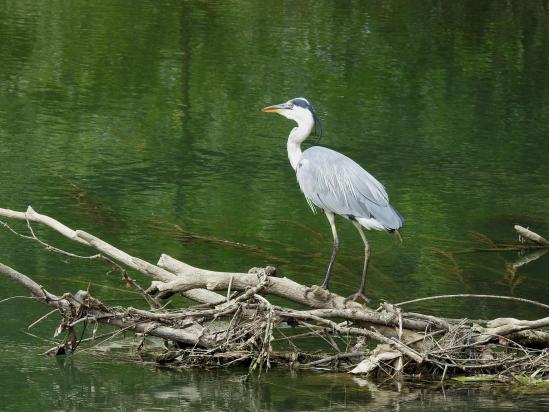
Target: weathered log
{"points": [[382, 354], [191, 334], [505, 326], [190, 277], [533, 236], [239, 326], [203, 296]]}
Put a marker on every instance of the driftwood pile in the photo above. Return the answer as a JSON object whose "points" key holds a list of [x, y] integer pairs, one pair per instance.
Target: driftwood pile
{"points": [[235, 323]]}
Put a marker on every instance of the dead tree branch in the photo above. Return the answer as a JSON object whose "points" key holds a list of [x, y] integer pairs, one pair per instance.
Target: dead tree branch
{"points": [[83, 306], [532, 236], [238, 325], [87, 239], [190, 277]]}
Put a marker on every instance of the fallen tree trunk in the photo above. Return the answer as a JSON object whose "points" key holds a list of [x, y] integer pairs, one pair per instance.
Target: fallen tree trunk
{"points": [[241, 326]]}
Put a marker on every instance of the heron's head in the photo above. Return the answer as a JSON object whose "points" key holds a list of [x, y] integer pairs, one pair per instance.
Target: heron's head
{"points": [[300, 111]]}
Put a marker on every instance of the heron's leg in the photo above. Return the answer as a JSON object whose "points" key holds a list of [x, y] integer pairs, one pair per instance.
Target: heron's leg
{"points": [[360, 293], [331, 219]]}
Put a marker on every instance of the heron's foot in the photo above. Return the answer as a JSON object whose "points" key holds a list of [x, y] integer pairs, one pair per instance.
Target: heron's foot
{"points": [[318, 292], [355, 297]]}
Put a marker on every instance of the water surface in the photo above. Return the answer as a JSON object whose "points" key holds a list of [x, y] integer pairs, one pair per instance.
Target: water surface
{"points": [[141, 124]]}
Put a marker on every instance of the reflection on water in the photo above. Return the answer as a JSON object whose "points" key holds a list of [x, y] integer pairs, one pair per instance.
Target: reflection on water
{"points": [[141, 123], [86, 382]]}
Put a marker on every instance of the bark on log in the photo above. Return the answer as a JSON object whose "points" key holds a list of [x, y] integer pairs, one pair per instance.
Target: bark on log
{"points": [[203, 296], [190, 277], [192, 334], [241, 327], [506, 326], [533, 236]]}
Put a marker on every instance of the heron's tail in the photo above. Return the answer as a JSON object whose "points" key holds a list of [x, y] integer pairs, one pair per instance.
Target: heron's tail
{"points": [[382, 218]]}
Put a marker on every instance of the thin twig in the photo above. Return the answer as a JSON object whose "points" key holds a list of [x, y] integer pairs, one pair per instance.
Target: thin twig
{"points": [[337, 356], [15, 297], [41, 318], [470, 295]]}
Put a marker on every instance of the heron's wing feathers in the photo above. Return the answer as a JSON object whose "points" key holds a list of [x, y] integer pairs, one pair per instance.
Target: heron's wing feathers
{"points": [[336, 183]]}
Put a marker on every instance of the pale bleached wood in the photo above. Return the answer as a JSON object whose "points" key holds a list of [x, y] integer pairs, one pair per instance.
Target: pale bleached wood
{"points": [[324, 303], [198, 326], [507, 326], [190, 277], [35, 289], [32, 216], [377, 318], [383, 353], [533, 236], [202, 296], [192, 334]]}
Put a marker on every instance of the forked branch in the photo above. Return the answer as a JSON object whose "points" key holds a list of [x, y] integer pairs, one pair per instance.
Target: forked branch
{"points": [[241, 325]]}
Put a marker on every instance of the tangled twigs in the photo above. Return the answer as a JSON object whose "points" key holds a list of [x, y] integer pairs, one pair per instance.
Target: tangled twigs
{"points": [[237, 325], [247, 337], [264, 339]]}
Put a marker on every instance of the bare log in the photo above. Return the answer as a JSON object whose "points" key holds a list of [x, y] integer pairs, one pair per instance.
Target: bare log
{"points": [[190, 277], [32, 216], [533, 236], [36, 290], [530, 338], [383, 353], [377, 318], [241, 326]]}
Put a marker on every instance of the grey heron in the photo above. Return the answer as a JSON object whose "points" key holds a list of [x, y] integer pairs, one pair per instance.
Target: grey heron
{"points": [[336, 184]]}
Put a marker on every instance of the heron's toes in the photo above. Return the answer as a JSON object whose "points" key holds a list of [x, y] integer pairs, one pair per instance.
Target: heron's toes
{"points": [[318, 292], [355, 297]]}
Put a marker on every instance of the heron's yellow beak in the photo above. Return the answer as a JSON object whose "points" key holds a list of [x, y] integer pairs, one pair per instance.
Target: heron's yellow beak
{"points": [[274, 109]]}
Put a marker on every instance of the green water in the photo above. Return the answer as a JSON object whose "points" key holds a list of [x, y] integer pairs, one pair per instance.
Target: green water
{"points": [[140, 122]]}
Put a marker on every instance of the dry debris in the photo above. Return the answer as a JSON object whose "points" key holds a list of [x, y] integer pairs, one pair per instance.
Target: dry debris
{"points": [[242, 327]]}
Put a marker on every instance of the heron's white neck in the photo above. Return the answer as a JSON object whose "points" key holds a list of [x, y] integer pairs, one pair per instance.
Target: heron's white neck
{"points": [[296, 137]]}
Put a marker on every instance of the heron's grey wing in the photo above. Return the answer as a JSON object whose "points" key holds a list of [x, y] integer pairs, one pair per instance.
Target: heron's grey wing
{"points": [[336, 183]]}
